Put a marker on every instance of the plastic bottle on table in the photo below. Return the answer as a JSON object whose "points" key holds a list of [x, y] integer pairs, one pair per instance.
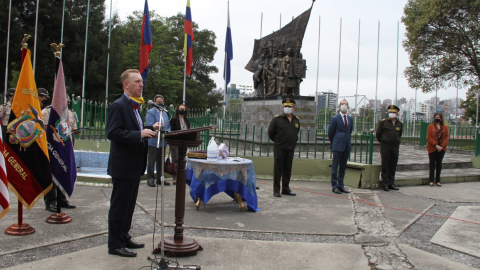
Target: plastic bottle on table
{"points": [[212, 151]]}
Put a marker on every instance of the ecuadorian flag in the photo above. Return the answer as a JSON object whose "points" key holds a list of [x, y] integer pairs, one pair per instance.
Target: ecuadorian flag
{"points": [[26, 152], [187, 45]]}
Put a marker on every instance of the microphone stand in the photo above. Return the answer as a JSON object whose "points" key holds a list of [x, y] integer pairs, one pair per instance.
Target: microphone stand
{"points": [[163, 264]]}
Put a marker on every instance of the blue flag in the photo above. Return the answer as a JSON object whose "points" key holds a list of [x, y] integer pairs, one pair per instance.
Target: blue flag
{"points": [[228, 52], [60, 147]]}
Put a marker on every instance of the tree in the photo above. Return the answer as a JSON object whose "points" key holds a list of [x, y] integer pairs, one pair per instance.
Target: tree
{"points": [[470, 104], [166, 60], [443, 43], [49, 31]]}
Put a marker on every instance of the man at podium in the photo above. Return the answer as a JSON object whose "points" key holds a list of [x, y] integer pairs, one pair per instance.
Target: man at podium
{"points": [[127, 161]]}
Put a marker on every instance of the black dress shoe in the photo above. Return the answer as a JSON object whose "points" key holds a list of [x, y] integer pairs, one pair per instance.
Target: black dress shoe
{"points": [[336, 190], [51, 207], [392, 187], [130, 243], [386, 188], [289, 192], [122, 252], [277, 194], [150, 182], [68, 205], [343, 190]]}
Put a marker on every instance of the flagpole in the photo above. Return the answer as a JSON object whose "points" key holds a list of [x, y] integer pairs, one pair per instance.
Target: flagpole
{"points": [[184, 79], [261, 24], [376, 79], [63, 24], [6, 58], [396, 72], [85, 64], [339, 55], [356, 87], [108, 60], [318, 65], [35, 40]]}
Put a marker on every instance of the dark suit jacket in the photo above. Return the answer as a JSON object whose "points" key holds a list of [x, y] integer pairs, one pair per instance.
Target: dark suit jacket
{"points": [[175, 123], [128, 152], [338, 136]]}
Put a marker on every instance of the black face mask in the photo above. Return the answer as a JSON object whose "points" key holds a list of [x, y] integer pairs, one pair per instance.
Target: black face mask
{"points": [[160, 104], [182, 112], [436, 120]]}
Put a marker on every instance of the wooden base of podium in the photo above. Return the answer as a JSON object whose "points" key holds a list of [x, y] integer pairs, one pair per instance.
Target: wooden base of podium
{"points": [[187, 247], [19, 230], [61, 218]]}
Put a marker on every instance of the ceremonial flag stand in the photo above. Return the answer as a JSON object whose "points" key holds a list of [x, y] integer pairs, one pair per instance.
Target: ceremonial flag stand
{"points": [[20, 228], [59, 217]]}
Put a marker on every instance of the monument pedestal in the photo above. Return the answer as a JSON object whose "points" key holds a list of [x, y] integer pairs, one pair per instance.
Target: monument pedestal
{"points": [[258, 112]]}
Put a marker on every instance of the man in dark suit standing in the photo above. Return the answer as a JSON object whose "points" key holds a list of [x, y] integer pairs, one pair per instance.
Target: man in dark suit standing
{"points": [[339, 135], [127, 161]]}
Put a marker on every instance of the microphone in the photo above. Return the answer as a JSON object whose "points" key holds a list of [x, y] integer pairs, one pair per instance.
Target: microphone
{"points": [[153, 104]]}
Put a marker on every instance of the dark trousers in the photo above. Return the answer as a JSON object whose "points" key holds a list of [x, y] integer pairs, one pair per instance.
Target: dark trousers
{"points": [[122, 206], [155, 160], [435, 165], [51, 196], [4, 134], [339, 165], [282, 168], [389, 164]]}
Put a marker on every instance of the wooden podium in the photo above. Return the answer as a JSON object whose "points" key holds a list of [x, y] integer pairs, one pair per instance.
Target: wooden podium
{"points": [[179, 245]]}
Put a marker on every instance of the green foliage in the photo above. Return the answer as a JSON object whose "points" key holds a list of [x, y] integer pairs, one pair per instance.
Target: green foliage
{"points": [[166, 59], [442, 42], [470, 104]]}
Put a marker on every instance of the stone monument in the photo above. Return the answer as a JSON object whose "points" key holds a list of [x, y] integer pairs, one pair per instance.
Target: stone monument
{"points": [[278, 70]]}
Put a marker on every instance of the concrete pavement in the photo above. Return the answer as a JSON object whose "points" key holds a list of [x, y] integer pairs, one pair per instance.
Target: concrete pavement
{"points": [[366, 229]]}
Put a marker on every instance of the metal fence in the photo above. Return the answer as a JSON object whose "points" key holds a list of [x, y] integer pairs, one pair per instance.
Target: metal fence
{"points": [[316, 146]]}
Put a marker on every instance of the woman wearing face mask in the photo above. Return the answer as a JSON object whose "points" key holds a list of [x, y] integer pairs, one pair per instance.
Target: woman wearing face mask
{"points": [[178, 122], [437, 140]]}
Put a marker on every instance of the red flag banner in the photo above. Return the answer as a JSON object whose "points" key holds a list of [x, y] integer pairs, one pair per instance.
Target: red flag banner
{"points": [[26, 152]]}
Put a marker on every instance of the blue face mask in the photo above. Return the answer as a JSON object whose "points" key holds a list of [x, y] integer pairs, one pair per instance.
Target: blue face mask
{"points": [[287, 110]]}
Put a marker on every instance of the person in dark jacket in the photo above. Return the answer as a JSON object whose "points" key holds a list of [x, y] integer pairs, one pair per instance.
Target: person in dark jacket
{"points": [[340, 136], [127, 161], [283, 131], [389, 132], [178, 122]]}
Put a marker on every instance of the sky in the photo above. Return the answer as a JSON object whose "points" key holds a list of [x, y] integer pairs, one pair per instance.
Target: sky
{"points": [[320, 43]]}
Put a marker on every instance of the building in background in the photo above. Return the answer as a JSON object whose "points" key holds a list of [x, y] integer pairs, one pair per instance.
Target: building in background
{"points": [[327, 99]]}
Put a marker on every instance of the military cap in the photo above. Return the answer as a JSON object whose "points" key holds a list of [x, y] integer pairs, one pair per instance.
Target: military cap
{"points": [[43, 92], [288, 102], [393, 109], [11, 92]]}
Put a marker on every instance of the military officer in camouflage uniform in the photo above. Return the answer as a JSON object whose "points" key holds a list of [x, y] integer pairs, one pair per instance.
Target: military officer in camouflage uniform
{"points": [[51, 197], [389, 133], [283, 131], [5, 110]]}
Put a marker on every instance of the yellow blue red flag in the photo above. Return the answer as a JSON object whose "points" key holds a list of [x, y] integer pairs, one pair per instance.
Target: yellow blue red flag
{"points": [[26, 152]]}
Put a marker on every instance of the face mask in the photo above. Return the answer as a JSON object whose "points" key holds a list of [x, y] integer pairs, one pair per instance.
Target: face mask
{"points": [[182, 112], [343, 108], [436, 120], [287, 110], [160, 104], [392, 115]]}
